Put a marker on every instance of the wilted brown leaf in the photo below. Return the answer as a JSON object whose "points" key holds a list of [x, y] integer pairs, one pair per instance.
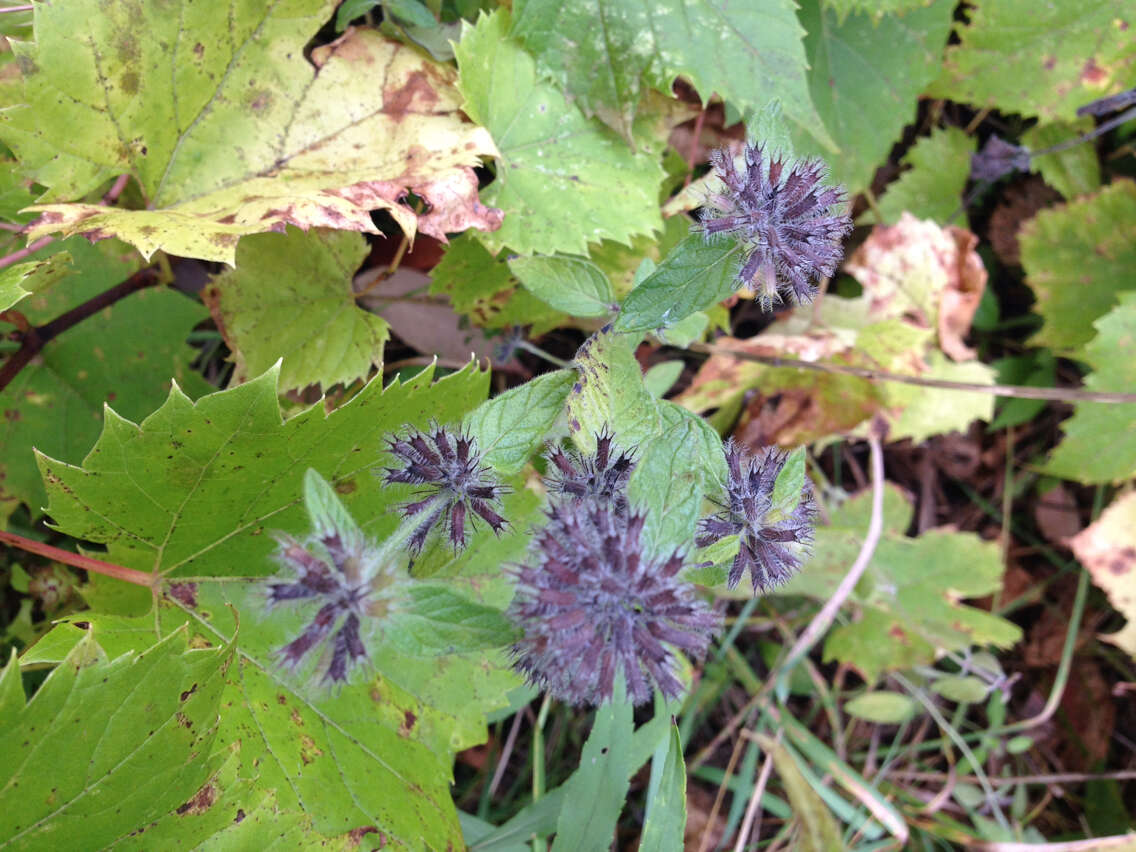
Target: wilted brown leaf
{"points": [[1107, 549]]}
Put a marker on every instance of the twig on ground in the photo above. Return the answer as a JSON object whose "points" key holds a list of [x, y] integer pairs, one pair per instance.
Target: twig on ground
{"points": [[1015, 391], [751, 822]]}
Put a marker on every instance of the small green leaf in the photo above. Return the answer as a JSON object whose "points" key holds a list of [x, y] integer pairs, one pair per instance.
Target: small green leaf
{"points": [[685, 331], [1019, 744], [964, 689], [1097, 445], [325, 510], [24, 279], [563, 180], [510, 427], [290, 297], [596, 790], [436, 620], [694, 275], [883, 708], [1078, 258], [1072, 172], [790, 484], [665, 823], [933, 186], [349, 10], [574, 285], [73, 764], [661, 377]]}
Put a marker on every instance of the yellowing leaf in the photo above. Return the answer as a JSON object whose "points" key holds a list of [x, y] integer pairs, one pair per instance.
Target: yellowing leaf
{"points": [[1043, 59], [290, 297], [1107, 549], [230, 130]]}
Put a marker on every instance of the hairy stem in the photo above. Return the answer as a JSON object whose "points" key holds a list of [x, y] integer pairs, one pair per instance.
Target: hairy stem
{"points": [[75, 560]]}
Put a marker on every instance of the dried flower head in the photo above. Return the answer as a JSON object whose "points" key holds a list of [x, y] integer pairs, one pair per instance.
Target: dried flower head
{"points": [[998, 158], [771, 541], [783, 214], [340, 572], [591, 604], [601, 475], [456, 485]]}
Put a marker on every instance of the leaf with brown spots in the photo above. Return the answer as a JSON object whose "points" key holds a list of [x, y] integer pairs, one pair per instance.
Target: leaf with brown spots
{"points": [[229, 129], [1043, 59], [73, 765], [909, 607], [1107, 549]]}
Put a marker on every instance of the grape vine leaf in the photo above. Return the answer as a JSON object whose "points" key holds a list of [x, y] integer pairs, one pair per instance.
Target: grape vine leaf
{"points": [[229, 130], [73, 764], [563, 180], [124, 355], [933, 187], [1112, 355], [222, 474], [604, 53], [865, 76], [1078, 259], [1107, 549], [908, 606], [1043, 60], [291, 297], [23, 279], [1072, 172]]}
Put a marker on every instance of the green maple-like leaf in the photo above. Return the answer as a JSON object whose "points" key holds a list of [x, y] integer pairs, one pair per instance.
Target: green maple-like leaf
{"points": [[229, 129], [194, 493], [77, 752], [1096, 425], [20, 281], [605, 52], [1078, 259], [933, 187], [291, 297], [1072, 172], [1039, 59], [908, 604], [124, 355], [563, 180], [865, 76]]}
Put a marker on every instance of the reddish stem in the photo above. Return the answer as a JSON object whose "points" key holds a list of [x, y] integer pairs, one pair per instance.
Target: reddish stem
{"points": [[75, 560], [29, 249], [34, 339]]}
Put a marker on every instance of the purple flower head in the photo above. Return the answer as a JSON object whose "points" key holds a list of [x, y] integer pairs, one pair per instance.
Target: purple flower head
{"points": [[591, 604], [786, 219], [602, 475], [771, 541], [456, 486], [336, 571]]}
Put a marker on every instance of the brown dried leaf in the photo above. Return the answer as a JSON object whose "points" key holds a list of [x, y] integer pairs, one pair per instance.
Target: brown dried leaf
{"points": [[1107, 549]]}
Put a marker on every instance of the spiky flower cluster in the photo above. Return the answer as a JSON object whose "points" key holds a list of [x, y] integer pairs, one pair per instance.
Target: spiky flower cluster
{"points": [[782, 213], [338, 571], [593, 606], [771, 541], [602, 475], [456, 486]]}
